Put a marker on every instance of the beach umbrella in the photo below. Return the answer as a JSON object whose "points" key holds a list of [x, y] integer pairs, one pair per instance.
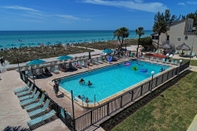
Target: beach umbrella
{"points": [[22, 44], [31, 44], [183, 47], [11, 45], [36, 62], [39, 44], [165, 46], [48, 43], [58, 42], [108, 51], [64, 57], [79, 41]]}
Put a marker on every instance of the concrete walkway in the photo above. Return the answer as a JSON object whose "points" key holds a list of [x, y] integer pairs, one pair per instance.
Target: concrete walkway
{"points": [[12, 115]]}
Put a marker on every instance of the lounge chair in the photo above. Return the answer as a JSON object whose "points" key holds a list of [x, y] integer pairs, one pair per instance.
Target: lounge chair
{"points": [[71, 67], [30, 74], [41, 118], [46, 72], [163, 60], [172, 62], [77, 65], [62, 67], [37, 104], [176, 52], [40, 110], [157, 59], [167, 61], [83, 63], [97, 60], [54, 70], [22, 88], [175, 62], [143, 57], [94, 62], [100, 60], [152, 59], [104, 60], [28, 96], [29, 101], [131, 54], [193, 54], [25, 92], [188, 53]]}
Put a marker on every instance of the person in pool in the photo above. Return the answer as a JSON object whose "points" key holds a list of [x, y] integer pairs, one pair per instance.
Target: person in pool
{"points": [[162, 69], [89, 83], [81, 80], [134, 68]]}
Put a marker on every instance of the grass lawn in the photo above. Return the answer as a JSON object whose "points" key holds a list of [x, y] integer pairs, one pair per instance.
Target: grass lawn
{"points": [[173, 110], [193, 62]]}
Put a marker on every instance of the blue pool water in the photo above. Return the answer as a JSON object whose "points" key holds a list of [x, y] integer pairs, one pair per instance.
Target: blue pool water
{"points": [[109, 80]]}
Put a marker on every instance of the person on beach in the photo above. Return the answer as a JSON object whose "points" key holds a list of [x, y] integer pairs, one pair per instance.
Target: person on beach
{"points": [[56, 88], [2, 61]]}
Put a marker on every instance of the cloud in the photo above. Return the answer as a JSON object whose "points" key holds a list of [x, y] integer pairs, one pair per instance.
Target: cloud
{"points": [[192, 2], [129, 4], [68, 17], [15, 7], [181, 3], [71, 17]]}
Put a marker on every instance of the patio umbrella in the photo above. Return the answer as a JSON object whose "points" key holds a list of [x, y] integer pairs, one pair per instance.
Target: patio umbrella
{"points": [[64, 57], [165, 46], [36, 62], [183, 47], [108, 51]]}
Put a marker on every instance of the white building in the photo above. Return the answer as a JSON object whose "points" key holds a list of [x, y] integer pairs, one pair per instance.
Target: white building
{"points": [[179, 33]]}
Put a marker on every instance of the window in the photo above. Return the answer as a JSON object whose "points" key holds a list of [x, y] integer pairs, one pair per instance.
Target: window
{"points": [[186, 37], [168, 37]]}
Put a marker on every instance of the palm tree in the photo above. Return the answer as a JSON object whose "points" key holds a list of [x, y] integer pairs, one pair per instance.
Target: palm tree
{"points": [[140, 32], [162, 22], [121, 33]]}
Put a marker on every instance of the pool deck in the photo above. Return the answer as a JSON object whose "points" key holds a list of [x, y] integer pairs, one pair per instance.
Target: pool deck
{"points": [[13, 116]]}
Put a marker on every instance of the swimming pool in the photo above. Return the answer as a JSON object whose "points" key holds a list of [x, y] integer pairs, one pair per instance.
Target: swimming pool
{"points": [[110, 80]]}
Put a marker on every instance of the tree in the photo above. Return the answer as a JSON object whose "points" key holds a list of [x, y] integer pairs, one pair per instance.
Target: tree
{"points": [[121, 33], [140, 32], [162, 22], [193, 16]]}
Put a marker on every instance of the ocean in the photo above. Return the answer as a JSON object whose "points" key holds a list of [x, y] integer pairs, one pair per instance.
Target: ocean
{"points": [[10, 39]]}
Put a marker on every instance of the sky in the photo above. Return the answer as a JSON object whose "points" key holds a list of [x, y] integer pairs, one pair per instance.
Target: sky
{"points": [[86, 14]]}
